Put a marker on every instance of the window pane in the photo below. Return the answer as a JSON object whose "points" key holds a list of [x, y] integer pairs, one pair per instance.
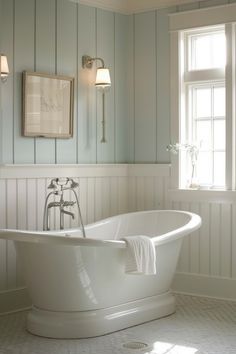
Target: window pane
{"points": [[219, 135], [219, 168], [219, 101], [202, 53], [204, 171], [203, 102], [218, 50], [203, 137], [208, 51]]}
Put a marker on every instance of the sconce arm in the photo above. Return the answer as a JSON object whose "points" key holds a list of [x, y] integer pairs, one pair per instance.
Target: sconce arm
{"points": [[87, 61]]}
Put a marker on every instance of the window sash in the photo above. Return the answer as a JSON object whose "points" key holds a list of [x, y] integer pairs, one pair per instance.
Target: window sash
{"points": [[191, 128]]}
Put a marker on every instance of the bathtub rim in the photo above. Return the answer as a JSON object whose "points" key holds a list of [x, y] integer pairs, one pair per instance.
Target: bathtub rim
{"points": [[63, 238]]}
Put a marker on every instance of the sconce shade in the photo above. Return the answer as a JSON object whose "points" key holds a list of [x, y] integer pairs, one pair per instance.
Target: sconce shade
{"points": [[4, 66], [103, 78]]}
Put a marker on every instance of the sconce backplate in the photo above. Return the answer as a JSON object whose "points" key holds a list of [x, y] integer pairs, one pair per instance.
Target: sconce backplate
{"points": [[87, 62]]}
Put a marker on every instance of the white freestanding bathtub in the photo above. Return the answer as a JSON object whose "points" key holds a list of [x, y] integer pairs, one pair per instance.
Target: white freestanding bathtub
{"points": [[78, 286]]}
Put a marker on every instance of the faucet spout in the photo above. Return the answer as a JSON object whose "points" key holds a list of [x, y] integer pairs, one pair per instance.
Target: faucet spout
{"points": [[68, 213]]}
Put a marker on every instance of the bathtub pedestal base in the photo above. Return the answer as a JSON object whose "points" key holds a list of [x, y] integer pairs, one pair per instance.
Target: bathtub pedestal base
{"points": [[84, 324]]}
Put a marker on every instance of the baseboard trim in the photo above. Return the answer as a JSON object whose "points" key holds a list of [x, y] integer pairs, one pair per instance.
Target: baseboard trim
{"points": [[14, 300], [205, 286]]}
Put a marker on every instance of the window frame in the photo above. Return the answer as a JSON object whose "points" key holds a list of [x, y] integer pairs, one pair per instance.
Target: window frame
{"points": [[185, 21], [193, 78]]}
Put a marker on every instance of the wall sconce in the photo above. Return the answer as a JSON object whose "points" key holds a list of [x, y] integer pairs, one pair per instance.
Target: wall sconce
{"points": [[103, 82], [4, 69]]}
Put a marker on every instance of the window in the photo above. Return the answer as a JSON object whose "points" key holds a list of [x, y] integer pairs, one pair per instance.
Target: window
{"points": [[203, 116], [203, 96]]}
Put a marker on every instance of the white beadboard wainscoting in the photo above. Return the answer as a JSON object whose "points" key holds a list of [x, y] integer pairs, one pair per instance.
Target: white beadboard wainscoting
{"points": [[207, 264], [105, 190]]}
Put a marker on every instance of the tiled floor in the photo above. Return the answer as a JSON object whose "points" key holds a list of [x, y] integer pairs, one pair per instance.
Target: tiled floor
{"points": [[200, 326]]}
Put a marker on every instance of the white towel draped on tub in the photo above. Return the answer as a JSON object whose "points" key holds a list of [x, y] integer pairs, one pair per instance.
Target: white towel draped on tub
{"points": [[140, 255]]}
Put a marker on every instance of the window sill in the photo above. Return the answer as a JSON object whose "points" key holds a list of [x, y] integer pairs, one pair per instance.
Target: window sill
{"points": [[203, 195]]}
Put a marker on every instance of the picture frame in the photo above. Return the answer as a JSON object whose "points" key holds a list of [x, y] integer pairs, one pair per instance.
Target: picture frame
{"points": [[48, 105]]}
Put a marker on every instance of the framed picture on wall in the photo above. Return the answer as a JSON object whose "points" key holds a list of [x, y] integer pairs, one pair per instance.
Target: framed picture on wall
{"points": [[48, 102]]}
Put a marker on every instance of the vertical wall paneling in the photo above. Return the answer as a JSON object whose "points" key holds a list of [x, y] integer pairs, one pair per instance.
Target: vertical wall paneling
{"points": [[131, 90], [83, 198], [21, 220], [86, 95], [106, 51], [122, 187], [67, 63], [106, 190], [11, 223], [24, 32], [91, 199], [233, 246], [184, 261], [194, 243], [115, 192], [51, 37], [163, 83], [98, 198], [145, 82], [41, 193], [149, 195], [215, 219], [31, 204], [45, 57], [140, 190], [3, 243], [225, 241], [204, 239], [21, 204], [7, 104], [121, 87], [132, 195], [1, 123], [159, 189]]}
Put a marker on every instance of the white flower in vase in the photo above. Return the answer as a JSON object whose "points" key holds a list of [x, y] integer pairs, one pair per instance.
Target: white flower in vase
{"points": [[193, 152]]}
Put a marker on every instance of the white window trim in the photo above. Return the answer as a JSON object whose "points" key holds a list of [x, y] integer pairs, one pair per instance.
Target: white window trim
{"points": [[179, 22], [211, 16]]}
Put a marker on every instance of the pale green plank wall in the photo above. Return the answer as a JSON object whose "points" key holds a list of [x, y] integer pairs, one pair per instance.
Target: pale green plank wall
{"points": [[52, 36], [149, 83]]}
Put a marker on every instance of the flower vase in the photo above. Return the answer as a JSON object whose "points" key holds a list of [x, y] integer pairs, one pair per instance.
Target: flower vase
{"points": [[193, 183]]}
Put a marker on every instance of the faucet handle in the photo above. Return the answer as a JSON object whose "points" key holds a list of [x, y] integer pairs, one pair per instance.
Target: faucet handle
{"points": [[67, 204], [53, 184]]}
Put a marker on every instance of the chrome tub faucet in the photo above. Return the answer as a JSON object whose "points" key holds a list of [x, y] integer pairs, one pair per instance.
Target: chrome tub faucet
{"points": [[59, 186]]}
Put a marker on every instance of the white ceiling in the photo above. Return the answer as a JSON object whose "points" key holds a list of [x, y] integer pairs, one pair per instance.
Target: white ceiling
{"points": [[133, 6]]}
